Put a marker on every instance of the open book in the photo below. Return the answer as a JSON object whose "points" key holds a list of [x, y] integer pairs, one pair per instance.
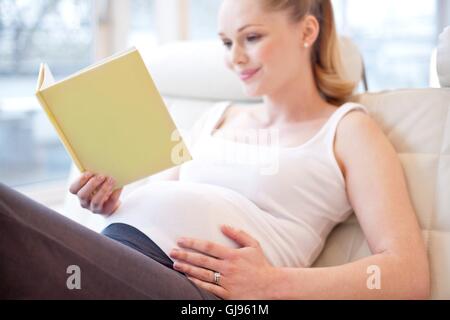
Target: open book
{"points": [[112, 119]]}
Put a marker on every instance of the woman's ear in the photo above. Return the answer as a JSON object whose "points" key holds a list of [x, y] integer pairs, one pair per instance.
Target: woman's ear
{"points": [[310, 31]]}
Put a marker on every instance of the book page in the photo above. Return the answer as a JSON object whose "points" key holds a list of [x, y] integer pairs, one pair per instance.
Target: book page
{"points": [[48, 79]]}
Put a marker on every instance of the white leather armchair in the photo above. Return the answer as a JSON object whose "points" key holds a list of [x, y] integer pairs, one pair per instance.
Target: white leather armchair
{"points": [[191, 77]]}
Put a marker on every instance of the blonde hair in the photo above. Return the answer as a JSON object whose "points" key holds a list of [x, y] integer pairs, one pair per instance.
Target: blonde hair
{"points": [[326, 56]]}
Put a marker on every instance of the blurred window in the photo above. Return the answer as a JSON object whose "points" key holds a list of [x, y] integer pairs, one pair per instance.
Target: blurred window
{"points": [[60, 33], [396, 38], [203, 19], [143, 25]]}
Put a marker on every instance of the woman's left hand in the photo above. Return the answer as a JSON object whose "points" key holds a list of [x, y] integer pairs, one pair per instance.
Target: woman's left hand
{"points": [[245, 273]]}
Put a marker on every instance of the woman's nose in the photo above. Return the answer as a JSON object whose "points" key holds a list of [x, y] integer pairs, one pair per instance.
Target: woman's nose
{"points": [[238, 55]]}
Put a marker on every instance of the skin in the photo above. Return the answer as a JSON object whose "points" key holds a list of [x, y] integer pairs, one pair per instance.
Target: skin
{"points": [[376, 185]]}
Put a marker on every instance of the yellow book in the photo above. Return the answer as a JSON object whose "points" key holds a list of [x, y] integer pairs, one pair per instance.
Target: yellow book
{"points": [[112, 119]]}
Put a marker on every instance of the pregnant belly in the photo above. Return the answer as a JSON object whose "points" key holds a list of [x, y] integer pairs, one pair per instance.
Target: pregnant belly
{"points": [[168, 210]]}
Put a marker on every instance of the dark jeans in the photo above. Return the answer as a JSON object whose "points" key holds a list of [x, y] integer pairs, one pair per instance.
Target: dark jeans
{"points": [[135, 239], [38, 246]]}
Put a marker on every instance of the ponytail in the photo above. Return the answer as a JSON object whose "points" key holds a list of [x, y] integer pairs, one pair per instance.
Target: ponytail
{"points": [[327, 59]]}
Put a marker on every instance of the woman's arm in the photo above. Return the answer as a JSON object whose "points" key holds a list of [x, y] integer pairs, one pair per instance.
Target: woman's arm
{"points": [[378, 193]]}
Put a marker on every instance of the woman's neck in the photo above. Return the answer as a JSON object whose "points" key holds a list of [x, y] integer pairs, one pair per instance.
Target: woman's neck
{"points": [[298, 101]]}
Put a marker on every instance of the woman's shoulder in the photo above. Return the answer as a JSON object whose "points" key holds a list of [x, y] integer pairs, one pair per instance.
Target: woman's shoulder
{"points": [[356, 118], [358, 133]]}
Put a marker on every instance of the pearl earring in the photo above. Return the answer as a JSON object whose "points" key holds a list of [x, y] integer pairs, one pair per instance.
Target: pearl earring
{"points": [[306, 45]]}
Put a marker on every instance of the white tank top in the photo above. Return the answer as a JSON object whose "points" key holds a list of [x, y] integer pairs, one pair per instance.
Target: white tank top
{"points": [[288, 198]]}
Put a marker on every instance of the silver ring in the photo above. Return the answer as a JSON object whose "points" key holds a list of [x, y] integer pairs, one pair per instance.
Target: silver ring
{"points": [[216, 278]]}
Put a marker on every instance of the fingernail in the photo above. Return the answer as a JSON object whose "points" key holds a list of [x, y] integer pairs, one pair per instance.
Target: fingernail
{"points": [[111, 181], [101, 178]]}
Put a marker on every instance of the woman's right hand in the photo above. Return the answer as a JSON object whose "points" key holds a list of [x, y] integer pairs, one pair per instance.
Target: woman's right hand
{"points": [[96, 193]]}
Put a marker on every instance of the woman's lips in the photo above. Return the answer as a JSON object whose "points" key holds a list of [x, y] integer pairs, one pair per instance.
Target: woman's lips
{"points": [[246, 75]]}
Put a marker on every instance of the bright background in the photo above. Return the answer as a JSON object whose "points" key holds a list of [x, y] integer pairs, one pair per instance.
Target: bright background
{"points": [[395, 37]]}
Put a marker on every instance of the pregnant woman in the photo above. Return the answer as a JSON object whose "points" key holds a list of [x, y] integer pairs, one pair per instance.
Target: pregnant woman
{"points": [[222, 228]]}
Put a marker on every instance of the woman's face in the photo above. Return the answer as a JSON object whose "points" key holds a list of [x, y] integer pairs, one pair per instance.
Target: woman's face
{"points": [[263, 48]]}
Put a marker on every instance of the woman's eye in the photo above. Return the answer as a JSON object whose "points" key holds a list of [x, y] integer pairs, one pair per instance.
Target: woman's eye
{"points": [[227, 44], [253, 38], [250, 38]]}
